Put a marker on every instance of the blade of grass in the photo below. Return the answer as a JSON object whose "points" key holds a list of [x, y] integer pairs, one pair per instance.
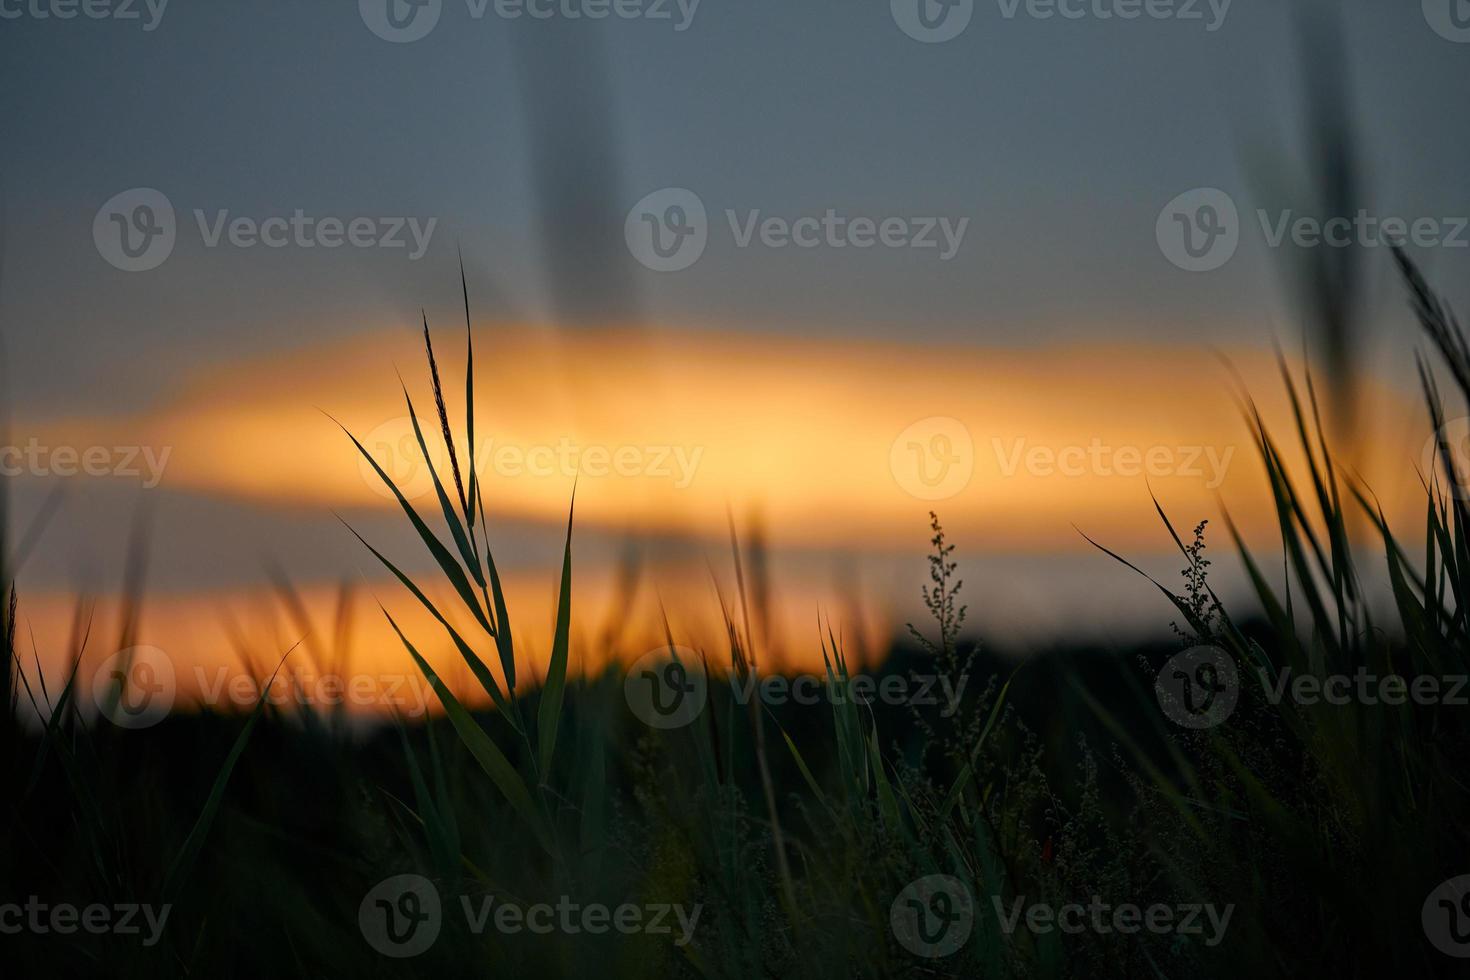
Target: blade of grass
{"points": [[451, 518], [476, 665], [549, 714], [445, 560], [183, 864], [485, 751]]}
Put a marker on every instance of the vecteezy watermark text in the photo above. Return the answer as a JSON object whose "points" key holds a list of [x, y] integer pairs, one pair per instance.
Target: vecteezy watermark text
{"points": [[36, 459], [97, 918], [137, 688], [137, 229], [1362, 229], [1211, 13], [401, 917], [1200, 687], [1364, 687], [571, 918], [933, 917], [665, 690], [405, 21], [1100, 459], [394, 447], [150, 12], [667, 230], [834, 230], [1102, 917], [408, 695], [936, 21], [302, 230], [1199, 230]]}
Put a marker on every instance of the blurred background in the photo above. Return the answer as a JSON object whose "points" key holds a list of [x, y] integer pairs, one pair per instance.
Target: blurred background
{"points": [[813, 270]]}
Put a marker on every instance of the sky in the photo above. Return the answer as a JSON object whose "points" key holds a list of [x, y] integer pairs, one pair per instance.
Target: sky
{"points": [[1028, 170]]}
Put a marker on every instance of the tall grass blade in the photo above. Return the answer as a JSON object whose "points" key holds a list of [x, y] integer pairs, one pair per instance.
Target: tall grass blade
{"points": [[548, 717], [183, 864], [445, 560], [485, 751], [464, 502], [476, 665], [473, 494], [451, 517]]}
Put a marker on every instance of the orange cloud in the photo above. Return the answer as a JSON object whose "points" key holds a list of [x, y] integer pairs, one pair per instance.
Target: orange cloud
{"points": [[839, 447], [832, 442]]}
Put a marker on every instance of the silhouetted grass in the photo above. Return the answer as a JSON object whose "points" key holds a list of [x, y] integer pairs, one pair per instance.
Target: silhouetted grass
{"points": [[794, 829]]}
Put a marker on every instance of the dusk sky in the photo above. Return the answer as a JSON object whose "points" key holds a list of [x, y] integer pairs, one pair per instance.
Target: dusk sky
{"points": [[734, 489], [1036, 153]]}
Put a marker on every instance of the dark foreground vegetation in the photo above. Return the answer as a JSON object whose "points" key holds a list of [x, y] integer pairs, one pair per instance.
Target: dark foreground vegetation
{"points": [[1073, 813]]}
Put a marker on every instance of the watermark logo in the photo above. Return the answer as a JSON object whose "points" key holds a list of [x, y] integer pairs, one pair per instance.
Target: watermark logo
{"points": [[1455, 434], [1450, 19], [400, 21], [135, 688], [934, 458], [395, 448], [932, 21], [1446, 917], [666, 688], [1199, 230], [135, 230], [666, 231], [669, 692], [401, 916], [404, 21], [1198, 688], [933, 916]]}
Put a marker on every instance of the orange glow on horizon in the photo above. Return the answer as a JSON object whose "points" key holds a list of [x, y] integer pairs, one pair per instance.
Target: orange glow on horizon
{"points": [[835, 447], [675, 428]]}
